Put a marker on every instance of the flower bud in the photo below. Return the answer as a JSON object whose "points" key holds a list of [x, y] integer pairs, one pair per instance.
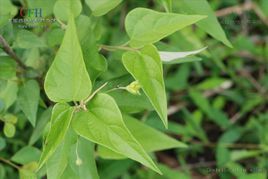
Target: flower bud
{"points": [[134, 88]]}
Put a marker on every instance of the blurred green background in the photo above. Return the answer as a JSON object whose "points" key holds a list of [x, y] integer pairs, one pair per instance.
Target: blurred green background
{"points": [[218, 106]]}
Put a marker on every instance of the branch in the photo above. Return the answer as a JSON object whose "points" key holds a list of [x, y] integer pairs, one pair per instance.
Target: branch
{"points": [[10, 52], [239, 9], [9, 163]]}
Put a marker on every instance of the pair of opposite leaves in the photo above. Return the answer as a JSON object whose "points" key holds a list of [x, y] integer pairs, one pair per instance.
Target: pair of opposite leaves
{"points": [[67, 79]]}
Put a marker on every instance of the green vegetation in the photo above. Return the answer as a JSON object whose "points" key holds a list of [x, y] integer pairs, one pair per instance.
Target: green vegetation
{"points": [[156, 89]]}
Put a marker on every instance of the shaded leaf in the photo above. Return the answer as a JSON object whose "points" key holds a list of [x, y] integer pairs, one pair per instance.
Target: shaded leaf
{"points": [[28, 99], [26, 155], [102, 7], [210, 24], [63, 9]]}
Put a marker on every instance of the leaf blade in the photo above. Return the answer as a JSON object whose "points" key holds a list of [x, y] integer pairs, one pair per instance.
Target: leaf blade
{"points": [[60, 121], [146, 67], [67, 78], [145, 26], [103, 124]]}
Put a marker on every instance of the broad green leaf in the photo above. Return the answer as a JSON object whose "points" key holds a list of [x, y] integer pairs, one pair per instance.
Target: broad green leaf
{"points": [[9, 94], [41, 124], [95, 62], [146, 67], [85, 151], [60, 121], [151, 139], [210, 24], [27, 39], [26, 155], [145, 26], [168, 57], [103, 124], [58, 162], [7, 11], [101, 7], [67, 78], [7, 68], [63, 9], [28, 99], [130, 103]]}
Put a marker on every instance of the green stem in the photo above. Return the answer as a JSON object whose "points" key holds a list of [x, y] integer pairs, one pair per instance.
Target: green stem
{"points": [[94, 93], [114, 48]]}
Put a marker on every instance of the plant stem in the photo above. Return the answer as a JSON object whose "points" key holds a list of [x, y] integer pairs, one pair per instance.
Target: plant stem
{"points": [[94, 93], [11, 53], [9, 163], [118, 88], [113, 48]]}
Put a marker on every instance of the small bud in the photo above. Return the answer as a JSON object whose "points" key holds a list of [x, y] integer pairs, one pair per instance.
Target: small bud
{"points": [[134, 88], [78, 162]]}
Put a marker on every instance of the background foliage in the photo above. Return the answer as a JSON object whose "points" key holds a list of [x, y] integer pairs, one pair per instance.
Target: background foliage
{"points": [[216, 104]]}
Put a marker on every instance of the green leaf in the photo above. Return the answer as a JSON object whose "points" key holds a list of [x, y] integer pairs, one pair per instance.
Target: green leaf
{"points": [[7, 68], [67, 78], [9, 93], [28, 171], [28, 99], [9, 129], [115, 168], [151, 139], [7, 11], [60, 121], [130, 103], [26, 155], [63, 9], [41, 124], [145, 26], [210, 24], [146, 67], [214, 114], [95, 62], [102, 7], [103, 124], [27, 39], [57, 163]]}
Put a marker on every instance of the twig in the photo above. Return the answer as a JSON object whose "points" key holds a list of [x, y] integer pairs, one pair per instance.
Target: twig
{"points": [[9, 163], [224, 86], [62, 25], [11, 53], [94, 93], [239, 9]]}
